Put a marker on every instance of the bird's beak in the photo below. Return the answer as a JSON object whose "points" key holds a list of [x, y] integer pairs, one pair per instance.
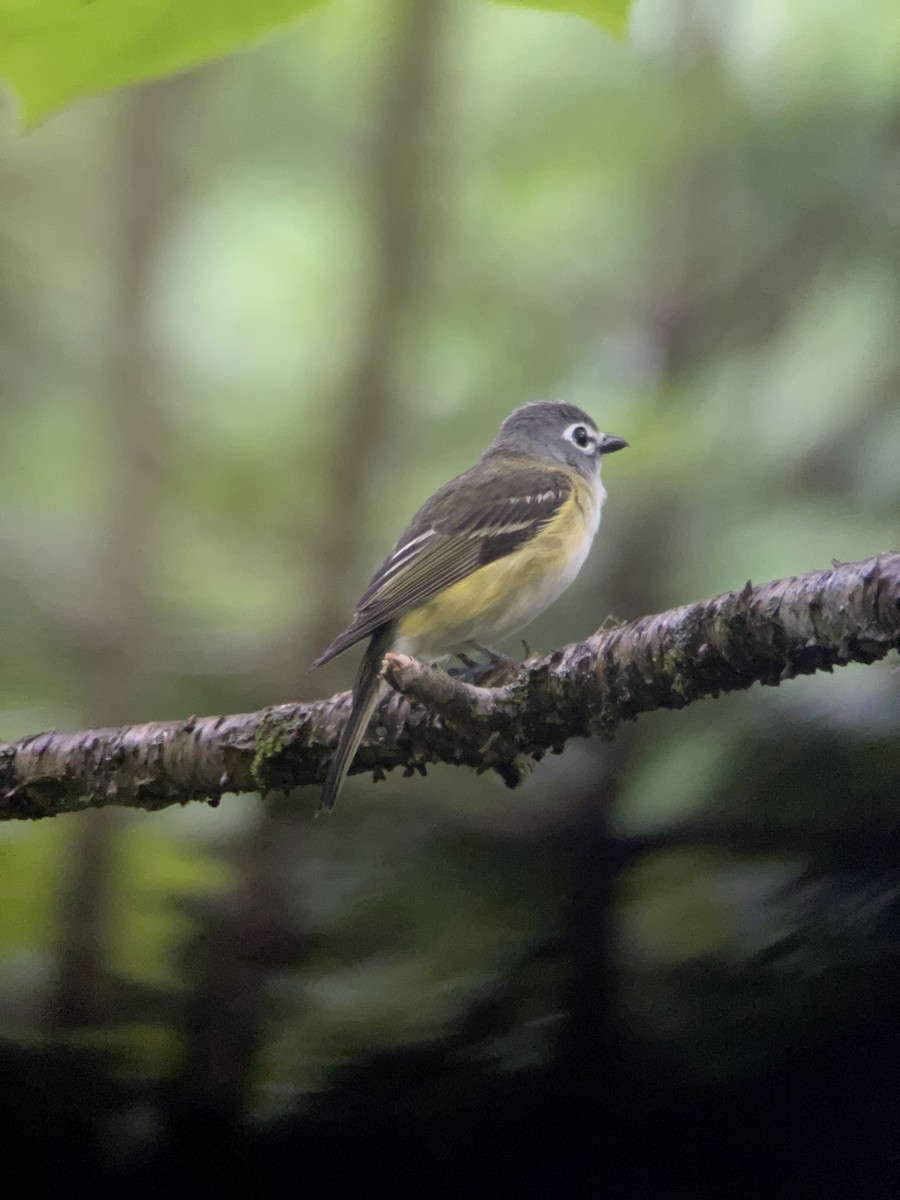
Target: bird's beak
{"points": [[610, 443]]}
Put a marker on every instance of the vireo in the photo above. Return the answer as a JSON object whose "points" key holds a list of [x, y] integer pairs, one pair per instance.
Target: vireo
{"points": [[484, 556]]}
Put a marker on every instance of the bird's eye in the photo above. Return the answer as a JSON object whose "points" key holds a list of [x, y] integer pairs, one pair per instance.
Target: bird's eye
{"points": [[580, 436]]}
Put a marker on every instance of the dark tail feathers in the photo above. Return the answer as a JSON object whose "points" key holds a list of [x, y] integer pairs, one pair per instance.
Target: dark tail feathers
{"points": [[365, 695]]}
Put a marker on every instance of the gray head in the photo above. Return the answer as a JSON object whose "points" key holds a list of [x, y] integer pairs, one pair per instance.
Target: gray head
{"points": [[558, 432]]}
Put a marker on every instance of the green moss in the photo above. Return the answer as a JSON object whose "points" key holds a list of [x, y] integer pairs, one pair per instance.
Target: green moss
{"points": [[273, 735]]}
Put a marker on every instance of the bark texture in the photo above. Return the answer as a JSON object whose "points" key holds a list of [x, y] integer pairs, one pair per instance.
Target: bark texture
{"points": [[764, 634]]}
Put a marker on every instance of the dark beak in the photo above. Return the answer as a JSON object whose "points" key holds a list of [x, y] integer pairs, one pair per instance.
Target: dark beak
{"points": [[611, 443]]}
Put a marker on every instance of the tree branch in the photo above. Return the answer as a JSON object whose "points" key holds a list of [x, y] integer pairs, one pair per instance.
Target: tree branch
{"points": [[763, 634]]}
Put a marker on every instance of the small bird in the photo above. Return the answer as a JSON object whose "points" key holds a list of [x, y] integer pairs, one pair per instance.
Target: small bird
{"points": [[484, 556]]}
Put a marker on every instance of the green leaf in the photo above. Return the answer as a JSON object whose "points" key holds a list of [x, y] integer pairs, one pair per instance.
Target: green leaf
{"points": [[610, 15], [55, 51]]}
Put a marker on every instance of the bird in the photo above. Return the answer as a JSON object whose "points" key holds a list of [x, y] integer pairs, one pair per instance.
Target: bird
{"points": [[484, 556]]}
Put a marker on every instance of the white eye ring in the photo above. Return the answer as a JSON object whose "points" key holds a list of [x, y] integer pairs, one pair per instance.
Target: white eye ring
{"points": [[581, 437]]}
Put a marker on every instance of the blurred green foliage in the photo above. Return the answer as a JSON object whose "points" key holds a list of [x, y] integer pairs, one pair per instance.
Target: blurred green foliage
{"points": [[695, 237]]}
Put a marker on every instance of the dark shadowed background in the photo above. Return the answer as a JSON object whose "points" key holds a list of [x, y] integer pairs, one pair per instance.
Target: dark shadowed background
{"points": [[249, 319]]}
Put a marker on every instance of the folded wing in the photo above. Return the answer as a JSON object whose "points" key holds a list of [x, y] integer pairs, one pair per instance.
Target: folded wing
{"points": [[474, 520]]}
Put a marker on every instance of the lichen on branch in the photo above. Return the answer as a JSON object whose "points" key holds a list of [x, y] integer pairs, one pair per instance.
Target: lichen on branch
{"points": [[763, 634]]}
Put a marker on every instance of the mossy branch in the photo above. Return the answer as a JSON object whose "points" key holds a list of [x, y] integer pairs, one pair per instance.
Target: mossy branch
{"points": [[763, 634]]}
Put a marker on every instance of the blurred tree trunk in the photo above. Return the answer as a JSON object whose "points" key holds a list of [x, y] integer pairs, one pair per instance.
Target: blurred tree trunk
{"points": [[399, 180], [668, 318], [590, 1049], [133, 429], [258, 930]]}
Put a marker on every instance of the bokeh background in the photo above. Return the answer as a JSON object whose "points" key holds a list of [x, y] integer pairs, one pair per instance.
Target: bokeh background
{"points": [[249, 319]]}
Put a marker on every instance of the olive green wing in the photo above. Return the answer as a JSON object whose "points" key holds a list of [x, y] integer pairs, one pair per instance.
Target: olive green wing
{"points": [[477, 518]]}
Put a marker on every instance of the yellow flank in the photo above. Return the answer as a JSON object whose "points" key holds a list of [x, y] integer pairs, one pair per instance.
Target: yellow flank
{"points": [[505, 595]]}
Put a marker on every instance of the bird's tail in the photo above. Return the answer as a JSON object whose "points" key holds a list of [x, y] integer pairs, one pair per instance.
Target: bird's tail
{"points": [[365, 695]]}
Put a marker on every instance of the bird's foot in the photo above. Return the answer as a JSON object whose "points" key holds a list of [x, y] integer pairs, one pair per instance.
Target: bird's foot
{"points": [[466, 674], [469, 671], [496, 671], [491, 655]]}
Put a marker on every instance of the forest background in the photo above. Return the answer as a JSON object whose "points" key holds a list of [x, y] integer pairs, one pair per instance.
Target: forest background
{"points": [[250, 317]]}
